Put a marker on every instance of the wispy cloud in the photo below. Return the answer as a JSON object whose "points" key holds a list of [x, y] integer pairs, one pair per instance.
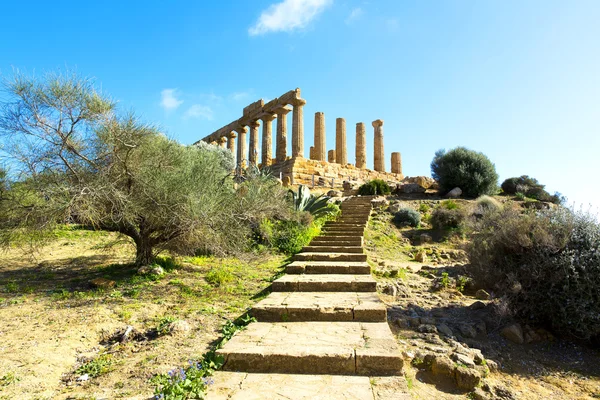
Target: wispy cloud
{"points": [[355, 14], [287, 16], [239, 96], [392, 24], [199, 111], [169, 100]]}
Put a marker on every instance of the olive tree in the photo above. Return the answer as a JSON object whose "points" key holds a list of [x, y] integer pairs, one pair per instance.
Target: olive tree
{"points": [[78, 161]]}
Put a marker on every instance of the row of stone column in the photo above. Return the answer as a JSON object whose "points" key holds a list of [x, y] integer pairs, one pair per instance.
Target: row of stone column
{"points": [[318, 152], [340, 154], [267, 145]]}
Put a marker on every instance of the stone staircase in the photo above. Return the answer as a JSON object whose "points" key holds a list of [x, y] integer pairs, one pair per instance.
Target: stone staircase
{"points": [[323, 318]]}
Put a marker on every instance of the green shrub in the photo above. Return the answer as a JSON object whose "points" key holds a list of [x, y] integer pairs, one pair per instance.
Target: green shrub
{"points": [[449, 204], [444, 218], [545, 264], [424, 208], [487, 204], [290, 236], [407, 216], [519, 184], [525, 186], [469, 170], [218, 276], [374, 187]]}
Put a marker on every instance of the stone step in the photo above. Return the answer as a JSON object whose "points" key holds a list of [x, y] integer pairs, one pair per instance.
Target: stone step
{"points": [[330, 248], [243, 386], [329, 257], [342, 234], [343, 228], [349, 231], [327, 240], [319, 306], [324, 283], [341, 348], [345, 224], [328, 267]]}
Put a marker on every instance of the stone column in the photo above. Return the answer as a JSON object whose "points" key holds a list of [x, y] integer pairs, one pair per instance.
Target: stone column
{"points": [[311, 153], [253, 150], [298, 128], [231, 143], [267, 140], [241, 153], [223, 142], [341, 154], [396, 163], [214, 142], [320, 147], [331, 156], [379, 161], [281, 139], [361, 146]]}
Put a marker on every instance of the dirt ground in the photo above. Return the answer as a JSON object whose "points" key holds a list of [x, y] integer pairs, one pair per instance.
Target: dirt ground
{"points": [[54, 322]]}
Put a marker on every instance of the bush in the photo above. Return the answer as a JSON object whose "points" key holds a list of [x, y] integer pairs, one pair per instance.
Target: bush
{"points": [[469, 170], [374, 187], [487, 204], [545, 264], [448, 215], [525, 186], [520, 184], [290, 236], [407, 216]]}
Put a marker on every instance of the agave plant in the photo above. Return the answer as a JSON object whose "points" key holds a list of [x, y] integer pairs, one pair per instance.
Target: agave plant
{"points": [[318, 206]]}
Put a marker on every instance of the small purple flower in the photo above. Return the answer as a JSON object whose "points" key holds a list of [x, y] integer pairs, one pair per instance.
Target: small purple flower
{"points": [[208, 381]]}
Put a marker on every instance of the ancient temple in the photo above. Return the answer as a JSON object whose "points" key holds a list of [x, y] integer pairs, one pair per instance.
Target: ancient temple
{"points": [[322, 167]]}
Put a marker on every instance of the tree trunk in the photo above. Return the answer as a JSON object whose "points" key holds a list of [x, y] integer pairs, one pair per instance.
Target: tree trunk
{"points": [[144, 255]]}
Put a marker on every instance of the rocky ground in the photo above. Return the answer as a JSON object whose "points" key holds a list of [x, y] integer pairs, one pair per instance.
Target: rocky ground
{"points": [[456, 341]]}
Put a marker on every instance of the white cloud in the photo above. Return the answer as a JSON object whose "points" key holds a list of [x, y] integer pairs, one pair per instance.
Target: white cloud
{"points": [[288, 15], [199, 111], [169, 100], [355, 14], [238, 96]]}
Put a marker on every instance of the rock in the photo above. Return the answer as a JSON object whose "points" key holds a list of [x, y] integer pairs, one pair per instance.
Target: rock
{"points": [[454, 193], [102, 283], [478, 357], [151, 270], [467, 331], [478, 305], [402, 323], [482, 295], [424, 181], [421, 256], [492, 365], [428, 320], [514, 333], [466, 378], [445, 329], [412, 188], [479, 394], [463, 359], [425, 238], [408, 355], [394, 208], [389, 289], [178, 327], [286, 181], [427, 328], [379, 201], [334, 193], [348, 186], [442, 366], [83, 378]]}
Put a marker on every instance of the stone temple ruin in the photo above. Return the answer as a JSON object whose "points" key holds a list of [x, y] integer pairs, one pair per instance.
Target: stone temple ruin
{"points": [[324, 168]]}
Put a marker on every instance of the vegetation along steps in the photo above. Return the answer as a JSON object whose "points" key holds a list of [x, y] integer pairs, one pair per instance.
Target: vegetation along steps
{"points": [[322, 329]]}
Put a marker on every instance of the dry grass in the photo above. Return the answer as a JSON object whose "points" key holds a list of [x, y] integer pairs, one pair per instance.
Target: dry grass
{"points": [[54, 321]]}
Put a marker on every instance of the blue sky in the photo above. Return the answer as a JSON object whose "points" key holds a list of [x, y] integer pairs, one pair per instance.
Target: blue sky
{"points": [[517, 80]]}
